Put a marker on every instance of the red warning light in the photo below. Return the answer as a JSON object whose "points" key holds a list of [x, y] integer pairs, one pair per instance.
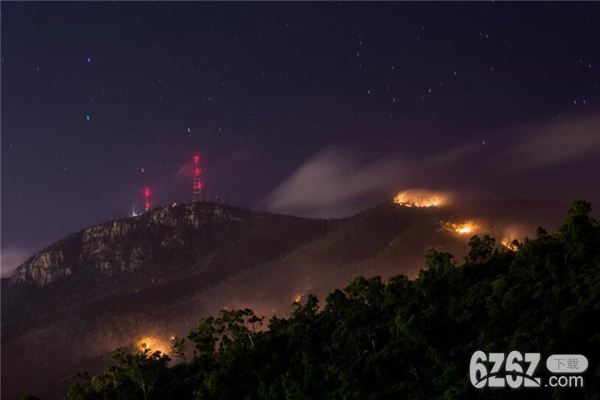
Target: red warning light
{"points": [[197, 184], [147, 193]]}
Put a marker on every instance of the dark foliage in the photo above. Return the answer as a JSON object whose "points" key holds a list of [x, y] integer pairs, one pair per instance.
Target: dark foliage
{"points": [[400, 340]]}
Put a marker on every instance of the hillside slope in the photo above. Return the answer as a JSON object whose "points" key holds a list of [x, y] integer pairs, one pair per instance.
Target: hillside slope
{"points": [[157, 273]]}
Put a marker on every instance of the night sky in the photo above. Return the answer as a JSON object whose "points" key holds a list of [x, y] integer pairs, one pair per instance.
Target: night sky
{"points": [[312, 109]]}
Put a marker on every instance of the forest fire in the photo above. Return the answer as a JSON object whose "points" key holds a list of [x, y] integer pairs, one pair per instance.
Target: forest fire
{"points": [[464, 228], [420, 198], [510, 244], [513, 235], [298, 299], [152, 344]]}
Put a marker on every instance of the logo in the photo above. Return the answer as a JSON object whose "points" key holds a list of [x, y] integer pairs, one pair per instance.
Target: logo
{"points": [[516, 370]]}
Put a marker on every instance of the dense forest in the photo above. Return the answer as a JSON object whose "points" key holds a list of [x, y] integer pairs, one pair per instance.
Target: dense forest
{"points": [[404, 339]]}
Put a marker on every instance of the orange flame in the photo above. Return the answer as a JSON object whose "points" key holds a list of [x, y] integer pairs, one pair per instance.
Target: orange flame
{"points": [[464, 228], [421, 198], [152, 344], [511, 234], [509, 244]]}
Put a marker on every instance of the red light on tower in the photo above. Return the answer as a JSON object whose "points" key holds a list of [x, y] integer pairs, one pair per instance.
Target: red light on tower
{"points": [[197, 184], [147, 193]]}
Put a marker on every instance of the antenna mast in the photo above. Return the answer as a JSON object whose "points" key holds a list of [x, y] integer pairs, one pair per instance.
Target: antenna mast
{"points": [[197, 185], [147, 193]]}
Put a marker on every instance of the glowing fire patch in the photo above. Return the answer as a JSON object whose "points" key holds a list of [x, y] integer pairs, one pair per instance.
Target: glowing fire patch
{"points": [[421, 198], [513, 235], [465, 228], [297, 299], [509, 244], [152, 344]]}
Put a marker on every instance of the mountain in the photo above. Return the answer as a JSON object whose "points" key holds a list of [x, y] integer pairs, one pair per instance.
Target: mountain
{"points": [[155, 274]]}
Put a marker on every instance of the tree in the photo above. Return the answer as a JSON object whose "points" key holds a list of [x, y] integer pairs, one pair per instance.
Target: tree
{"points": [[481, 249], [133, 376]]}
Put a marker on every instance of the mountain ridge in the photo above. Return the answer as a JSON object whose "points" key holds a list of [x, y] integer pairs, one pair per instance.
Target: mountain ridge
{"points": [[90, 241]]}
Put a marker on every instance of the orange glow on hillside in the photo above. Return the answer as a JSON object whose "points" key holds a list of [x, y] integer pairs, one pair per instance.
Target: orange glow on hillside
{"points": [[509, 244], [464, 228], [153, 344], [421, 198], [511, 234], [297, 299]]}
